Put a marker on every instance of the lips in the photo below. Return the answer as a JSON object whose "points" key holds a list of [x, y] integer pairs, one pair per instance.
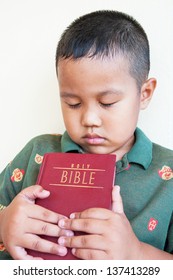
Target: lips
{"points": [[93, 139]]}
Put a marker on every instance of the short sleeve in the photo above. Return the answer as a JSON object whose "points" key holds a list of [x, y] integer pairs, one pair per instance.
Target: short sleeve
{"points": [[169, 240], [12, 177]]}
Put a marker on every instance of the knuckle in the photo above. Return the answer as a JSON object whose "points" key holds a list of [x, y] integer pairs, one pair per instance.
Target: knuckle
{"points": [[90, 255], [45, 214], [85, 254], [53, 249], [86, 225], [36, 245], [72, 224], [71, 242], [84, 241], [18, 209], [44, 228]]}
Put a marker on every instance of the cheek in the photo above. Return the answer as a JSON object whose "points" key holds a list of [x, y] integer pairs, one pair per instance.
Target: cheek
{"points": [[122, 120], [71, 121], [130, 111]]}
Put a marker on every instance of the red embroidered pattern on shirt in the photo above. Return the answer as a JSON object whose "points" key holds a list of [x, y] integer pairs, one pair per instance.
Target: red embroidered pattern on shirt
{"points": [[17, 175], [152, 224], [38, 159], [2, 247], [165, 173]]}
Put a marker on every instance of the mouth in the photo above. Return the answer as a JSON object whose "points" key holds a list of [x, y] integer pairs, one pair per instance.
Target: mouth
{"points": [[93, 139]]}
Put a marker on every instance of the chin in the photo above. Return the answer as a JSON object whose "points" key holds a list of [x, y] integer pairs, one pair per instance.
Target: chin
{"points": [[97, 150]]}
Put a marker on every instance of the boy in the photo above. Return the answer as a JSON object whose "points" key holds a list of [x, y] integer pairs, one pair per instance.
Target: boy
{"points": [[102, 63]]}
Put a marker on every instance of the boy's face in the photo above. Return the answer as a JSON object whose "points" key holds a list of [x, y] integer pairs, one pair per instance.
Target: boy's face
{"points": [[100, 104]]}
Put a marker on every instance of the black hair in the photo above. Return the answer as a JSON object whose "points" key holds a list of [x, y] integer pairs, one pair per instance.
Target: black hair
{"points": [[107, 33]]}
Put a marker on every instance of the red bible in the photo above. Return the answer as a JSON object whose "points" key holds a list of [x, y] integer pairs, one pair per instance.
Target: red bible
{"points": [[76, 182]]}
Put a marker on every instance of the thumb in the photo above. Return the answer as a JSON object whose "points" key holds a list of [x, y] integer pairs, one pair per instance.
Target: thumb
{"points": [[33, 192], [117, 204]]}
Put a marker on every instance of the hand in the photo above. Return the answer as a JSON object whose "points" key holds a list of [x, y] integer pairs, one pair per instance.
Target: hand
{"points": [[22, 221], [110, 235]]}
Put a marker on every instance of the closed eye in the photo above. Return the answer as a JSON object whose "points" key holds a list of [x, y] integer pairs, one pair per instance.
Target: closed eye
{"points": [[74, 106], [107, 104]]}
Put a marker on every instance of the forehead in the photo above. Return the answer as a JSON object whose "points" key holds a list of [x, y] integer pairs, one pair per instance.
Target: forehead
{"points": [[93, 69], [89, 76]]}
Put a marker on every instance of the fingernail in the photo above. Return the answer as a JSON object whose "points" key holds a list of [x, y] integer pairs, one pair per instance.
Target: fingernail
{"points": [[73, 251], [61, 223], [117, 188], [61, 240], [45, 192], [72, 215], [69, 233], [62, 251]]}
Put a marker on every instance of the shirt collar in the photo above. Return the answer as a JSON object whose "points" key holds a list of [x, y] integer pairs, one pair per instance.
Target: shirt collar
{"points": [[141, 152], [67, 145]]}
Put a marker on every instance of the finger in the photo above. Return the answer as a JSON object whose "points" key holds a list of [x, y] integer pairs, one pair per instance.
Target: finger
{"points": [[117, 204], [33, 192], [40, 213], [94, 213], [94, 226], [37, 243], [44, 228], [88, 254], [21, 254], [83, 241]]}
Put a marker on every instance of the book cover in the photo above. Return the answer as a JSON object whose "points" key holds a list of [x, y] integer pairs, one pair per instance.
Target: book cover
{"points": [[76, 182]]}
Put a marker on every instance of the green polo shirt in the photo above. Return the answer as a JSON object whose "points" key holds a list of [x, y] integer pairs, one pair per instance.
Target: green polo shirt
{"points": [[145, 175]]}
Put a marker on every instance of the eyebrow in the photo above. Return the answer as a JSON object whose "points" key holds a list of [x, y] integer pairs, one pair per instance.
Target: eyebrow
{"points": [[73, 95], [68, 94], [111, 91]]}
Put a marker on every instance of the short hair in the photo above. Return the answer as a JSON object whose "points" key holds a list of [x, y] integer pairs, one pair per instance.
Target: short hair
{"points": [[107, 33]]}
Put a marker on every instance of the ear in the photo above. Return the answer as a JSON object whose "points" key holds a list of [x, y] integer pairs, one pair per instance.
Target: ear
{"points": [[147, 90]]}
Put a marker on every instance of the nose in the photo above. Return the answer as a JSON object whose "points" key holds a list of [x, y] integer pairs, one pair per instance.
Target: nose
{"points": [[91, 118]]}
